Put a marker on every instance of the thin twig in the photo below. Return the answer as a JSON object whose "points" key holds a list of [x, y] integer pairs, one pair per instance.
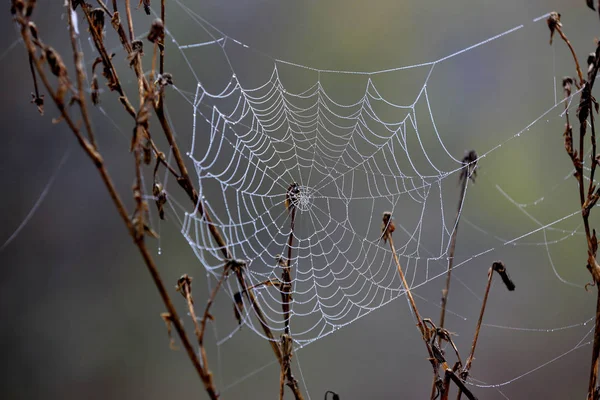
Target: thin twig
{"points": [[446, 290], [388, 228], [129, 20], [499, 267], [80, 78], [36, 98], [184, 286]]}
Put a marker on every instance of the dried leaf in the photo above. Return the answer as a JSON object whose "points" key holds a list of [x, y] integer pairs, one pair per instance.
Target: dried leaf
{"points": [[161, 199]]}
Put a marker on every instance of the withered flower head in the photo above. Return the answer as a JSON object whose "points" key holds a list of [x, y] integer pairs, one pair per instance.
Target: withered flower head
{"points": [[291, 196], [387, 226], [470, 161], [157, 31], [553, 23], [567, 84]]}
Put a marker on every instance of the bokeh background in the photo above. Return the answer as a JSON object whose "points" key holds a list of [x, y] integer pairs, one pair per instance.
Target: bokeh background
{"points": [[80, 315]]}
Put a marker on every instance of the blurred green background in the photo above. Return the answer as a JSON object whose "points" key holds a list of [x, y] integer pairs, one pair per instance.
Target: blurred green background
{"points": [[80, 315]]}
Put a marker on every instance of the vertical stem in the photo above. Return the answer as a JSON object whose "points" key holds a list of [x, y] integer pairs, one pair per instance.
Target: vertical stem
{"points": [[451, 254], [595, 352], [477, 329], [287, 275], [129, 20], [162, 48]]}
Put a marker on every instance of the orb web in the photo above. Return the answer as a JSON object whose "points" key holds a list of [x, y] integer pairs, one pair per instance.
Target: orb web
{"points": [[355, 144]]}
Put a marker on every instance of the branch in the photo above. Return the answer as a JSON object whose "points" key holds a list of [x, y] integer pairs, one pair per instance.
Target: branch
{"points": [[98, 161]]}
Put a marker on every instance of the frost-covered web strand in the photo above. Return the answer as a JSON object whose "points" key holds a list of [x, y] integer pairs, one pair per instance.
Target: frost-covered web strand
{"points": [[39, 200]]}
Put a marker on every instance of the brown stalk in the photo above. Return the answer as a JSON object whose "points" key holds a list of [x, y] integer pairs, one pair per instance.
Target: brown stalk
{"points": [[129, 20], [588, 201], [286, 290], [388, 228], [36, 98], [107, 62], [161, 69], [446, 290], [436, 356], [499, 267], [469, 160], [184, 286], [98, 161], [80, 79]]}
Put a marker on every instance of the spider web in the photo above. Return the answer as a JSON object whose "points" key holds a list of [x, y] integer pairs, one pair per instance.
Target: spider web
{"points": [[357, 144]]}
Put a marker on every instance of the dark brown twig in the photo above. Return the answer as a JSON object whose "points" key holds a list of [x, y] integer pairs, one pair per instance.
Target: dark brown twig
{"points": [[35, 97], [469, 172], [184, 286], [499, 268], [589, 200], [388, 229]]}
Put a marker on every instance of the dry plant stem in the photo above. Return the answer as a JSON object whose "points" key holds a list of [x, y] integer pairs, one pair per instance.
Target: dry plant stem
{"points": [[129, 20], [564, 38], [80, 78], [99, 163], [207, 380], [286, 282], [420, 325], [477, 329], [286, 289], [451, 375], [106, 60], [259, 313], [446, 290], [161, 69], [35, 83], [587, 202]]}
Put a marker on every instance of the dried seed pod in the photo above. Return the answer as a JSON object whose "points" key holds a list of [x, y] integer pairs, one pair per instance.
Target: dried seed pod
{"points": [[137, 48], [157, 31], [387, 226], [470, 161], [57, 66], [553, 22], [147, 149], [567, 84]]}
